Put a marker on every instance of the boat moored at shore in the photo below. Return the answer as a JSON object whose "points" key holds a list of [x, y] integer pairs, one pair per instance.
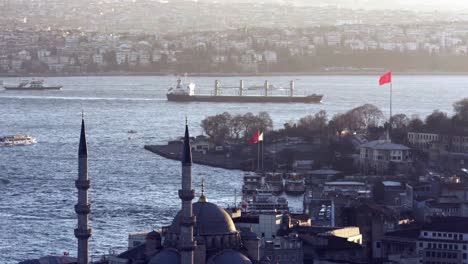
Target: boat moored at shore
{"points": [[275, 182], [252, 182], [294, 184]]}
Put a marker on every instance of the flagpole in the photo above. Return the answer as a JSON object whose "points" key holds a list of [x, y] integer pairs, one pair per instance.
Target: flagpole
{"points": [[258, 154], [390, 119], [262, 154]]}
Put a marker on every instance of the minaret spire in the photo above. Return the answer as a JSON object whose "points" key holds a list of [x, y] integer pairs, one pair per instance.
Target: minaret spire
{"points": [[202, 198], [186, 194], [83, 208]]}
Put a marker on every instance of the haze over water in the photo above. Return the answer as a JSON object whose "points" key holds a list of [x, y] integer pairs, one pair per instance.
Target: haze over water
{"points": [[132, 189]]}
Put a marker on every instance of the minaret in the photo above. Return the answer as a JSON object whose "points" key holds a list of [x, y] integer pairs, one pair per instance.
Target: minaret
{"points": [[83, 208], [186, 243]]}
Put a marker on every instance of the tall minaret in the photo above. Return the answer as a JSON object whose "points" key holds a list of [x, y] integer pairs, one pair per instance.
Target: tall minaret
{"points": [[186, 194], [83, 208]]}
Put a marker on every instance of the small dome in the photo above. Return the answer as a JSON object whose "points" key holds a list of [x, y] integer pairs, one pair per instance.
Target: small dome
{"points": [[153, 235], [210, 220], [166, 256], [229, 257], [249, 235]]}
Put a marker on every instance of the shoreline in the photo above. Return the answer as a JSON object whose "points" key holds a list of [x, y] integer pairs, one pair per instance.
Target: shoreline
{"points": [[315, 73], [174, 152]]}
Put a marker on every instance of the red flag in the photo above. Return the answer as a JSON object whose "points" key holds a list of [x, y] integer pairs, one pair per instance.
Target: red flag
{"points": [[256, 138], [386, 78]]}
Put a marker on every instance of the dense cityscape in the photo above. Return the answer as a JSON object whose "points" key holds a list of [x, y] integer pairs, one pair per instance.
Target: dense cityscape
{"points": [[178, 37], [349, 168]]}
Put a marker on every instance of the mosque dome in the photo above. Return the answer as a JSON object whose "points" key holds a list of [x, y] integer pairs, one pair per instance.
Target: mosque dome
{"points": [[210, 220], [153, 235], [229, 257], [166, 256]]}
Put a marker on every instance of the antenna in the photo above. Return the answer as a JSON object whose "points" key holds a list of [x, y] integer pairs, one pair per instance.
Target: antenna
{"points": [[235, 198]]}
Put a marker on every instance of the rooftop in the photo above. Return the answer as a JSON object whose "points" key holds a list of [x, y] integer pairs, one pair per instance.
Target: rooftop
{"points": [[384, 145], [448, 224]]}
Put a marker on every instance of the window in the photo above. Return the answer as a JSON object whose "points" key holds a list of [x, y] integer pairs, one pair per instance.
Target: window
{"points": [[460, 237], [464, 247], [421, 244], [425, 233], [377, 244], [464, 255]]}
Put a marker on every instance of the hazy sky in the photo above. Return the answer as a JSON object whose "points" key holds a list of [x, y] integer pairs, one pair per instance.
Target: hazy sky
{"points": [[399, 4]]}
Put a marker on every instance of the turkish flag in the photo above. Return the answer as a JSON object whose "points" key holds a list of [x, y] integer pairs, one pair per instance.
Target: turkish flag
{"points": [[386, 78], [256, 138]]}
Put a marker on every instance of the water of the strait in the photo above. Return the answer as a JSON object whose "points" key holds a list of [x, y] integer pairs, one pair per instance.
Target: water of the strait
{"points": [[134, 190]]}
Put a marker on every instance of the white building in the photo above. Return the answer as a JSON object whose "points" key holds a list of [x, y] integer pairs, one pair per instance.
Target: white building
{"points": [[444, 240], [334, 39], [270, 56], [98, 59], [376, 156]]}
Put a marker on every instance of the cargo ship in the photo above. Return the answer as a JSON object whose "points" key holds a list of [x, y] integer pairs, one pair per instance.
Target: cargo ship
{"points": [[186, 93]]}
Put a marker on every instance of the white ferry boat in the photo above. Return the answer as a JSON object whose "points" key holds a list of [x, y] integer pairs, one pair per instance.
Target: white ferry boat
{"points": [[264, 201], [294, 184], [252, 182], [17, 140], [275, 182], [31, 85]]}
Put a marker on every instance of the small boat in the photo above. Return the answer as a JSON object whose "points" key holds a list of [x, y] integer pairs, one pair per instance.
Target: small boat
{"points": [[27, 85], [131, 131], [17, 140], [264, 201], [252, 181], [295, 184]]}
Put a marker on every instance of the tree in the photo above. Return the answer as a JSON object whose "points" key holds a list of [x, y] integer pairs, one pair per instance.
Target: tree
{"points": [[399, 121], [461, 112], [314, 124], [438, 122], [365, 116], [415, 124], [217, 127]]}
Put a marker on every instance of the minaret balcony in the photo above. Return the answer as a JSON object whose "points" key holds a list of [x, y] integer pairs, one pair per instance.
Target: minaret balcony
{"points": [[186, 195], [188, 221], [83, 233], [82, 184], [83, 209]]}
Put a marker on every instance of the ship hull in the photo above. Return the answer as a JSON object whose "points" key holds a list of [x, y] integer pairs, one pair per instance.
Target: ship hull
{"points": [[294, 189], [32, 88], [245, 99]]}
